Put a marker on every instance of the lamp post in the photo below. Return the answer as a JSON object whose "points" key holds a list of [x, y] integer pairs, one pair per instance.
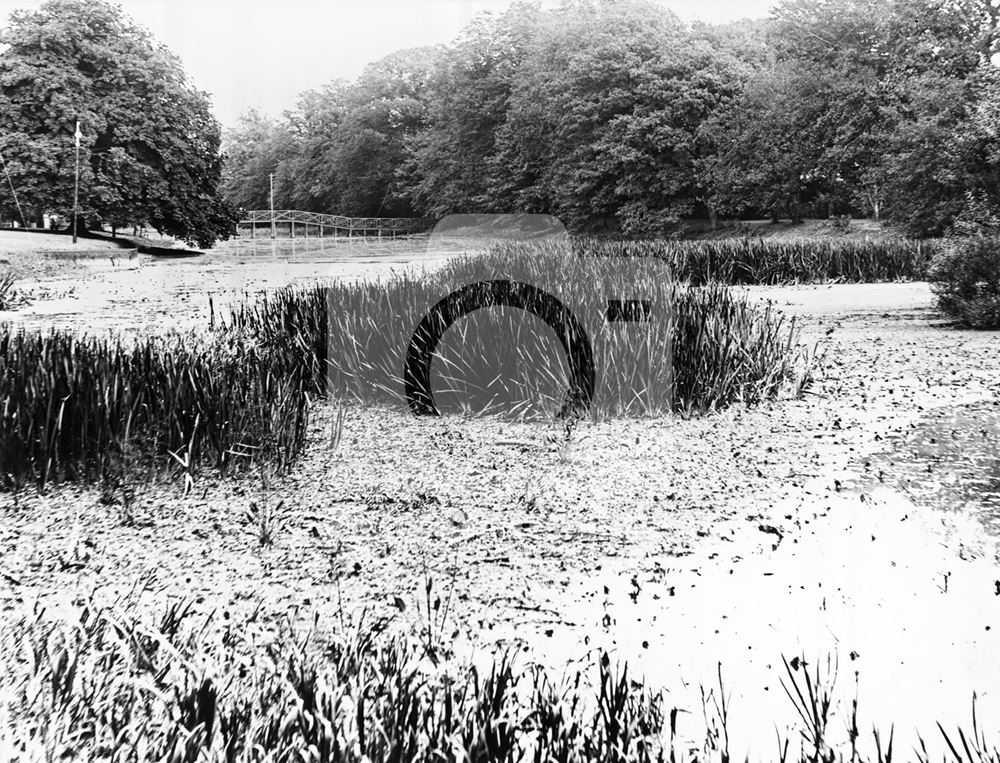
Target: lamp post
{"points": [[76, 180]]}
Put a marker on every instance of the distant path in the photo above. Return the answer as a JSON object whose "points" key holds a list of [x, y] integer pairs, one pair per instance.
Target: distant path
{"points": [[20, 242]]}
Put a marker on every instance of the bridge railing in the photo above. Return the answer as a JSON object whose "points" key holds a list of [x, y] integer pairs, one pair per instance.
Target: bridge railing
{"points": [[263, 218]]}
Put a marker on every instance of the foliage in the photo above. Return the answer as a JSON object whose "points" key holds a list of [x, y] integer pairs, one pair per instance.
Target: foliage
{"points": [[339, 149], [712, 349], [759, 261], [105, 683], [616, 116], [7, 293], [110, 686], [150, 146], [603, 122], [81, 408], [965, 276]]}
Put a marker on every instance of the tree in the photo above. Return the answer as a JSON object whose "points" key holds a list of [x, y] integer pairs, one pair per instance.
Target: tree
{"points": [[253, 150], [150, 152], [603, 125], [385, 108], [895, 81], [451, 161]]}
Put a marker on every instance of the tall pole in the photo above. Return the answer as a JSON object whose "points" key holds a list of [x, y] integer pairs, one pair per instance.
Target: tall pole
{"points": [[272, 206], [24, 220], [76, 180]]}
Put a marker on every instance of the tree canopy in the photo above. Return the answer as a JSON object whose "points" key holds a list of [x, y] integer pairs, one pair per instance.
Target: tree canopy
{"points": [[615, 115], [150, 146]]}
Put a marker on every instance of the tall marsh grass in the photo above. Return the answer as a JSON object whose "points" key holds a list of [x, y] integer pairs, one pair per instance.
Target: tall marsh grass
{"points": [[705, 349], [760, 261], [111, 684], [85, 408]]}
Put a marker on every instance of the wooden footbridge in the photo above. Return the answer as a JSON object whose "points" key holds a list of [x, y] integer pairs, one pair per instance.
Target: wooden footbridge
{"points": [[265, 223]]}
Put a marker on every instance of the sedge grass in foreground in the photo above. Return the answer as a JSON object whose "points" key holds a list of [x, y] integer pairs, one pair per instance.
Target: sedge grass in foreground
{"points": [[108, 685], [85, 408]]}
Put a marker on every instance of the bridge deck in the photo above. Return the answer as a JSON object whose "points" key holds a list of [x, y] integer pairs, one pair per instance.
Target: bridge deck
{"points": [[263, 218]]}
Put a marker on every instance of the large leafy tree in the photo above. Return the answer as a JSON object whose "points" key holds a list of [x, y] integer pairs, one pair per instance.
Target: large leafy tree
{"points": [[254, 148], [385, 108], [339, 149], [604, 121], [150, 151], [864, 107], [451, 163]]}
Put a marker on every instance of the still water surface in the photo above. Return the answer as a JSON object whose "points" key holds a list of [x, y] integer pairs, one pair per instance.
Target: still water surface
{"points": [[142, 293], [949, 459]]}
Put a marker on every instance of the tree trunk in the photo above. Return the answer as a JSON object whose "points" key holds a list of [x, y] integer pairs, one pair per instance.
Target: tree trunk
{"points": [[713, 218]]}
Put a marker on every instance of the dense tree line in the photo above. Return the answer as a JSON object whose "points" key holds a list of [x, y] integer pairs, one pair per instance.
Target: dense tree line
{"points": [[149, 147], [615, 115]]}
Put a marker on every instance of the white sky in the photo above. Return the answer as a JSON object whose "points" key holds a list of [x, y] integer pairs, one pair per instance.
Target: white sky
{"points": [[262, 53]]}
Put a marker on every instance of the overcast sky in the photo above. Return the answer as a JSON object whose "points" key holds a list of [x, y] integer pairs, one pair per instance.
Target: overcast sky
{"points": [[262, 53]]}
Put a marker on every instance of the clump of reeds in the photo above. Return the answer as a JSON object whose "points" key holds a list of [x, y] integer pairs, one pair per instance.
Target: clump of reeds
{"points": [[110, 684], [706, 348], [82, 408], [760, 261], [7, 293]]}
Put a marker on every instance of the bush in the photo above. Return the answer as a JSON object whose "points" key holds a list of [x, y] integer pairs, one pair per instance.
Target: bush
{"points": [[965, 276]]}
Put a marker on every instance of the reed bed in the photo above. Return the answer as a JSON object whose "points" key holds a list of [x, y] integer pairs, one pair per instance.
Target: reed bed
{"points": [[704, 349], [750, 261], [84, 408], [109, 684]]}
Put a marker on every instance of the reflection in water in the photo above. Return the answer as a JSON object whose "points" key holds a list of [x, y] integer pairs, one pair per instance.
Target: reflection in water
{"points": [[410, 249], [163, 293], [949, 459]]}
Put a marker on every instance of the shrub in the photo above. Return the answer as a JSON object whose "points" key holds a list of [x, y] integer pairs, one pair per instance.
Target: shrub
{"points": [[965, 276]]}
